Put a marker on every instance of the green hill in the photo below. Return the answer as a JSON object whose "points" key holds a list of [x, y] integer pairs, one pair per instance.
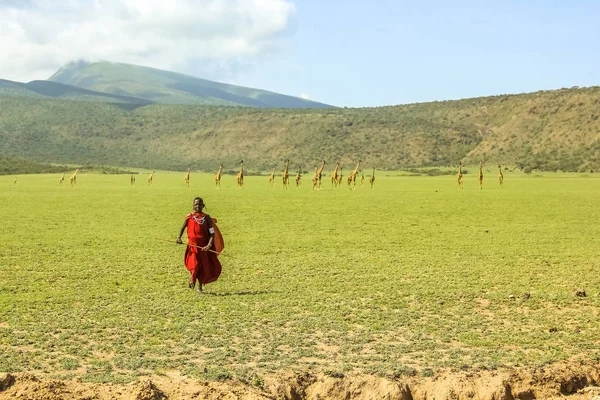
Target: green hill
{"points": [[546, 130], [169, 87], [50, 89]]}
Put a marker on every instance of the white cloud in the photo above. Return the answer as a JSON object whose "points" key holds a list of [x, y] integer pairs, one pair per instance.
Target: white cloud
{"points": [[200, 37], [304, 96]]}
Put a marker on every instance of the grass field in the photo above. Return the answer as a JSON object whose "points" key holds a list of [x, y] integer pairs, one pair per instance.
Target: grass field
{"points": [[409, 278]]}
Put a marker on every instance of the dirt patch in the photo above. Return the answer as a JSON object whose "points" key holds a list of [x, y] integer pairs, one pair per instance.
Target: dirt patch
{"points": [[578, 381]]}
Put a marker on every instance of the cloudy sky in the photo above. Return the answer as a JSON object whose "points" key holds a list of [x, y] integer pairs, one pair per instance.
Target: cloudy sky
{"points": [[342, 52]]}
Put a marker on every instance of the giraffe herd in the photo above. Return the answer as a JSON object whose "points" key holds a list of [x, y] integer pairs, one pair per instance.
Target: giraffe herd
{"points": [[479, 176], [336, 176]]}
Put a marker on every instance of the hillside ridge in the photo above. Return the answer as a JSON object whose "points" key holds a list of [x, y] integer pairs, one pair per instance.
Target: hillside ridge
{"points": [[547, 130], [168, 87]]}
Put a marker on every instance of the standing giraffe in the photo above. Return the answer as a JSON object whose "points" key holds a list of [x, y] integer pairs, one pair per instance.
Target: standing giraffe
{"points": [[480, 174], [315, 177], [286, 175], [334, 175], [459, 177], [218, 177], [62, 179], [372, 179], [362, 177], [340, 178], [187, 177], [500, 176], [240, 176], [272, 178], [132, 179], [299, 177], [73, 177], [150, 177], [352, 176]]}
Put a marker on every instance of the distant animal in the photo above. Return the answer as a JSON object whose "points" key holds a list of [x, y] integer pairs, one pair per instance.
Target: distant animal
{"points": [[272, 178], [240, 176], [73, 177], [286, 175], [150, 177], [460, 176], [132, 179], [372, 179], [218, 177], [299, 177], [480, 174], [500, 176], [62, 179], [352, 176], [187, 178]]}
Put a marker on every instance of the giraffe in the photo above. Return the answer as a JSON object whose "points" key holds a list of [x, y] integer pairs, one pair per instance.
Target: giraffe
{"points": [[340, 178], [480, 174], [150, 178], [132, 179], [187, 178], [372, 179], [218, 177], [286, 175], [334, 175], [352, 176], [320, 175], [73, 177], [459, 177], [315, 177], [62, 179], [500, 176], [299, 177], [272, 178], [362, 177], [240, 176], [15, 182]]}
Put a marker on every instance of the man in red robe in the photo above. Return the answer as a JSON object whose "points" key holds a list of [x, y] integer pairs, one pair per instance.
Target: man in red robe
{"points": [[200, 255]]}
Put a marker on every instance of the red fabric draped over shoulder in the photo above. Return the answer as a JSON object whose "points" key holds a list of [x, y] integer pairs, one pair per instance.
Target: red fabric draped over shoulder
{"points": [[203, 265]]}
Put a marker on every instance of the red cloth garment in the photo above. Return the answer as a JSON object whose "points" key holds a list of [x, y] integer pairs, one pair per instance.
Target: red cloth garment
{"points": [[203, 265]]}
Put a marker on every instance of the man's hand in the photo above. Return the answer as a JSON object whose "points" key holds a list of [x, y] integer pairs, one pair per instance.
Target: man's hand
{"points": [[179, 240]]}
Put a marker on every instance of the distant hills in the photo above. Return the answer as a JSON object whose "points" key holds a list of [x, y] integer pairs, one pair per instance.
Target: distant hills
{"points": [[165, 87], [547, 130], [41, 89]]}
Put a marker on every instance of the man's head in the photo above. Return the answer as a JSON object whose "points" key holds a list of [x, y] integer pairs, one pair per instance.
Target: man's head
{"points": [[198, 204]]}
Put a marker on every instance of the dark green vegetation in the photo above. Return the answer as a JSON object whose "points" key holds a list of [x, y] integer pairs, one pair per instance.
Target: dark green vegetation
{"points": [[11, 166], [548, 130], [411, 277], [45, 89], [167, 87]]}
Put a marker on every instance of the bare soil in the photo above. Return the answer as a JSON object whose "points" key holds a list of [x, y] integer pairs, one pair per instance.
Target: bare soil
{"points": [[575, 381]]}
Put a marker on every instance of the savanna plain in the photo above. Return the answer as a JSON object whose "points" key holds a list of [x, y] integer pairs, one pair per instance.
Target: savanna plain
{"points": [[410, 278]]}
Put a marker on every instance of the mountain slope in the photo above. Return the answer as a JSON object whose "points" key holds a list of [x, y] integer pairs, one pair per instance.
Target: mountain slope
{"points": [[169, 87], [50, 89], [545, 130]]}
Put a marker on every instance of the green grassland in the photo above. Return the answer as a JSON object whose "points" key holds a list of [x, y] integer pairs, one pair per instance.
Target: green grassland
{"points": [[411, 277]]}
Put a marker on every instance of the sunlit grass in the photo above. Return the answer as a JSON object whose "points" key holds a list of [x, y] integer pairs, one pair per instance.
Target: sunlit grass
{"points": [[414, 275]]}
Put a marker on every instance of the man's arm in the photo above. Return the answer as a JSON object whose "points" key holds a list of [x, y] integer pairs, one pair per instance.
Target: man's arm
{"points": [[181, 232], [211, 231]]}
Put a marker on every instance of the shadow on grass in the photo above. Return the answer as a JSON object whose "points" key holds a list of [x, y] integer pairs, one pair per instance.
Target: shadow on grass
{"points": [[240, 293]]}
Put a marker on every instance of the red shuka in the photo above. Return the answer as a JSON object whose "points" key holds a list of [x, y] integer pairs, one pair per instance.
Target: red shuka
{"points": [[203, 265]]}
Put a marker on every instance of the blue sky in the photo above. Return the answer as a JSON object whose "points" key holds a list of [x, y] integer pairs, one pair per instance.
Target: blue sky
{"points": [[358, 53], [345, 53]]}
